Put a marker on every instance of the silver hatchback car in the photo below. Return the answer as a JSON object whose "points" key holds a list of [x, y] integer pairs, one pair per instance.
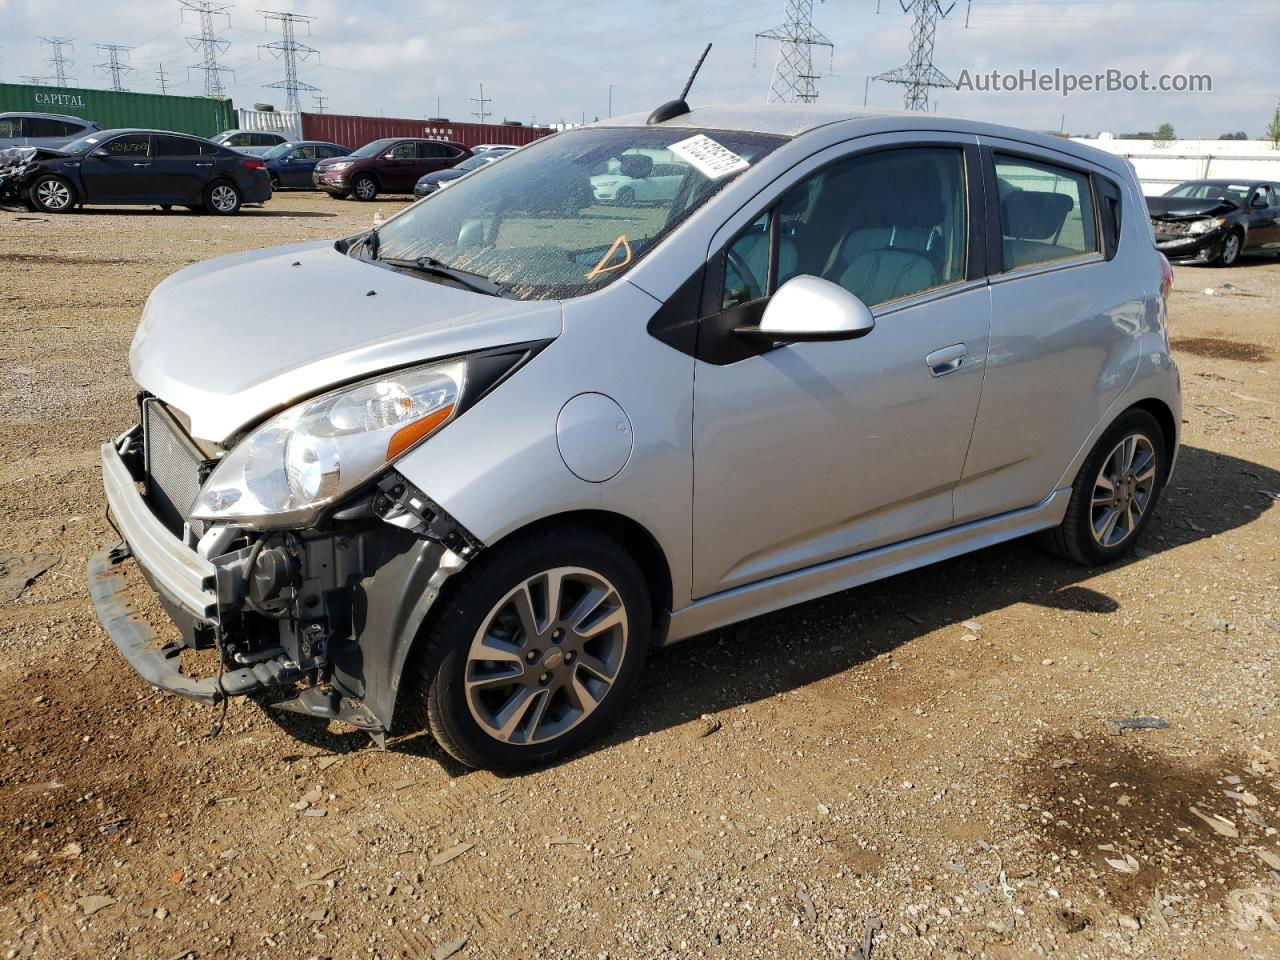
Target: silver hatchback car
{"points": [[461, 472]]}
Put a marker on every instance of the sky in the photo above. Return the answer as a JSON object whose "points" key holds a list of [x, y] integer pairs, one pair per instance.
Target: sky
{"points": [[562, 60]]}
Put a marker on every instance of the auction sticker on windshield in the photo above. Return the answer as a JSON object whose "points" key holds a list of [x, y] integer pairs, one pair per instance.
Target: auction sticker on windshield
{"points": [[708, 157]]}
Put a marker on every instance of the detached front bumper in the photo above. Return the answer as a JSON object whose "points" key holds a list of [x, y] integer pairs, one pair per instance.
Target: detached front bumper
{"points": [[183, 579]]}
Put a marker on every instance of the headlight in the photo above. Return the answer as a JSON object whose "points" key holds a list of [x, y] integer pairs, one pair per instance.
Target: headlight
{"points": [[340, 165], [1204, 226], [321, 449]]}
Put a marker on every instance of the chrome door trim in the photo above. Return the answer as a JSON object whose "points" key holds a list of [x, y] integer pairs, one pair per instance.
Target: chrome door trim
{"points": [[798, 586]]}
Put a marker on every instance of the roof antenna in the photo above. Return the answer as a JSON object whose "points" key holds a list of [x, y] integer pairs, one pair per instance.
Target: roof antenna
{"points": [[679, 106]]}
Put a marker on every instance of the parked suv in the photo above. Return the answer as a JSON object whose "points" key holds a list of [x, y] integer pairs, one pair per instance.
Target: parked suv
{"points": [[386, 166], [41, 129], [256, 142], [486, 455]]}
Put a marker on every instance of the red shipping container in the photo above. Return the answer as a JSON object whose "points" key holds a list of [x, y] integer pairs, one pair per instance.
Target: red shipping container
{"points": [[355, 132]]}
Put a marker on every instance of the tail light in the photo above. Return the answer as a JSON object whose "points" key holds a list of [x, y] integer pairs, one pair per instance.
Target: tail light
{"points": [[261, 165], [1166, 286]]}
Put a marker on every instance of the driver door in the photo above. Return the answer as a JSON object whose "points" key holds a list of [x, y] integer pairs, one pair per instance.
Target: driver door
{"points": [[811, 451], [119, 171], [1264, 219]]}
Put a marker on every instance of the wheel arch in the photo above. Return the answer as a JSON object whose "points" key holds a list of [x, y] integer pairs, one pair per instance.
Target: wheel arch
{"points": [[1168, 425]]}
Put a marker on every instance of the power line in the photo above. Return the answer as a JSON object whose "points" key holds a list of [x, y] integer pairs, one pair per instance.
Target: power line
{"points": [[288, 49], [319, 104], [208, 43], [113, 66], [162, 79], [59, 60], [794, 80], [919, 73], [481, 114]]}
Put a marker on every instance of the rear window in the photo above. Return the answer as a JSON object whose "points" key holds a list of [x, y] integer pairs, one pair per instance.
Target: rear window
{"points": [[1046, 212], [166, 146]]}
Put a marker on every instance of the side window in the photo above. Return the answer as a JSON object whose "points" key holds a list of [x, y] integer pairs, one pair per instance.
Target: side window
{"points": [[208, 149], [133, 145], [176, 147], [239, 140], [266, 140], [746, 268], [304, 153], [325, 152], [44, 127], [1046, 212], [434, 151], [10, 127], [883, 225], [404, 151]]}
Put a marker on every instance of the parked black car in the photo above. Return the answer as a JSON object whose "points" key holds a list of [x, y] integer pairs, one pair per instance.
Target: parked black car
{"points": [[135, 167], [290, 164], [431, 182], [1214, 221]]}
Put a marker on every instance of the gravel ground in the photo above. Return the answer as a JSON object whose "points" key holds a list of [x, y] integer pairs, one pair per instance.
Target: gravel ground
{"points": [[936, 761]]}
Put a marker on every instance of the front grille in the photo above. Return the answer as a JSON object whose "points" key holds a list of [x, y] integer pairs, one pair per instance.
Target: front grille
{"points": [[172, 464]]}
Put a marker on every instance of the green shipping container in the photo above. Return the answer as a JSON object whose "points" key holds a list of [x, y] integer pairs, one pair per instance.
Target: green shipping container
{"points": [[109, 109]]}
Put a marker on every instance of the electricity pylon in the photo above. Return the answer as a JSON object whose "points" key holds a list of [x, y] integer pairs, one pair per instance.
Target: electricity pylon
{"points": [[919, 73], [209, 44], [113, 66], [290, 51], [794, 79]]}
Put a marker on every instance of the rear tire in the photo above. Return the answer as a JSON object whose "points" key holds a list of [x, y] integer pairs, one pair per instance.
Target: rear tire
{"points": [[564, 662], [52, 194], [222, 198], [364, 187], [1114, 494]]}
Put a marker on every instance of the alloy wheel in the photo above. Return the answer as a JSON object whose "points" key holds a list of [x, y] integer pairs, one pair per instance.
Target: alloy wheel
{"points": [[1123, 490], [1230, 249], [54, 194], [223, 198], [365, 189], [546, 656]]}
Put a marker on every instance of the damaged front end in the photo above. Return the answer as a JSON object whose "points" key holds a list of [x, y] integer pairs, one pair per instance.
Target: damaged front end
{"points": [[17, 167], [323, 616], [1189, 229]]}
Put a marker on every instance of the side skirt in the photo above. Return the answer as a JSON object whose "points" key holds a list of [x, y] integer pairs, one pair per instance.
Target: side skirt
{"points": [[753, 600]]}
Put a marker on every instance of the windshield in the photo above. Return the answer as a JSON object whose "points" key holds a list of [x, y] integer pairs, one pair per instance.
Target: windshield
{"points": [[83, 145], [570, 212], [372, 149], [1233, 192], [278, 151]]}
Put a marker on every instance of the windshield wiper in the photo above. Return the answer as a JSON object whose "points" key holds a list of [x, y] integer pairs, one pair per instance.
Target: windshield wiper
{"points": [[473, 281]]}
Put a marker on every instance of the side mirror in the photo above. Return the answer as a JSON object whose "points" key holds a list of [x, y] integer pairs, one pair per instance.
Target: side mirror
{"points": [[388, 156], [100, 152], [810, 308]]}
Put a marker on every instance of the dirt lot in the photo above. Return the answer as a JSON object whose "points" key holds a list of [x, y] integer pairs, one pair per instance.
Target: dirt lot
{"points": [[936, 756]]}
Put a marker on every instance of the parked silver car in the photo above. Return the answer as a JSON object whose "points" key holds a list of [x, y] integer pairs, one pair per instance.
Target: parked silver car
{"points": [[52, 130], [527, 437]]}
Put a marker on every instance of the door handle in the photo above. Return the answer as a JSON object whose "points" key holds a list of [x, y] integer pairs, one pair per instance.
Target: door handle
{"points": [[142, 164], [946, 359], [204, 164]]}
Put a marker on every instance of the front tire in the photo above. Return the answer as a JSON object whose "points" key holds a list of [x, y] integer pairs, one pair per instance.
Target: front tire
{"points": [[534, 649], [364, 187], [222, 198], [1114, 494], [1231, 246], [52, 194]]}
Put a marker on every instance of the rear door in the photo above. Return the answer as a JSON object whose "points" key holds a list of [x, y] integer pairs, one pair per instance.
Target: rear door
{"points": [[1066, 323], [296, 166], [1264, 219], [119, 171], [180, 171], [436, 156]]}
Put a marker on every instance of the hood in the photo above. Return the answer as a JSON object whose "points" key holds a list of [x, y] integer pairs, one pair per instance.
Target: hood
{"points": [[439, 175], [330, 161], [19, 156], [231, 340], [1186, 208]]}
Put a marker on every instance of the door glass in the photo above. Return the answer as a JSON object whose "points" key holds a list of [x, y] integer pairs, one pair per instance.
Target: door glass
{"points": [[883, 225], [10, 127], [44, 127], [175, 147], [746, 269], [433, 151], [133, 145], [403, 151], [1046, 212], [303, 153]]}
